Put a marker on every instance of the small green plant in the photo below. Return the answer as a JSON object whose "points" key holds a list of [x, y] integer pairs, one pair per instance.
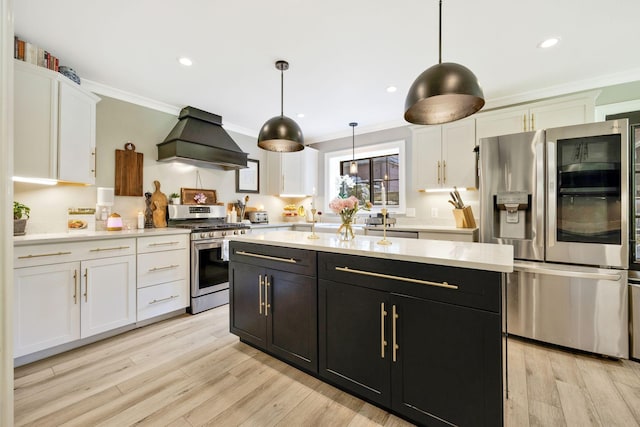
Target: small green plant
{"points": [[174, 196], [20, 211]]}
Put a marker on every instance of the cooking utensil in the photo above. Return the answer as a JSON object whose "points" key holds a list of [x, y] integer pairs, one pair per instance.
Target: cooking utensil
{"points": [[458, 197]]}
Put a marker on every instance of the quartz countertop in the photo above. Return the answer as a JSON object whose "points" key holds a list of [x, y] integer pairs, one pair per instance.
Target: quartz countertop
{"points": [[34, 239], [479, 256]]}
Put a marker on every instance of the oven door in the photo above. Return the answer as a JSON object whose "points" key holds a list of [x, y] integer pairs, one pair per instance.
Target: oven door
{"points": [[588, 199], [209, 272]]}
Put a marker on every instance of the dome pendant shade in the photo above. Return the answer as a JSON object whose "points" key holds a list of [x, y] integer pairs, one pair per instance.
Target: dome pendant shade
{"points": [[280, 133], [443, 93]]}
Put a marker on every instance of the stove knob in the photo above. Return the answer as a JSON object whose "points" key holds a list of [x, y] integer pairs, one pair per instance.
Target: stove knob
{"points": [[224, 233], [211, 234], [203, 235]]}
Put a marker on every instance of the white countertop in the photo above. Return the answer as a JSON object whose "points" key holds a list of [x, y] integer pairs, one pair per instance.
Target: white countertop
{"points": [[34, 239], [479, 256]]}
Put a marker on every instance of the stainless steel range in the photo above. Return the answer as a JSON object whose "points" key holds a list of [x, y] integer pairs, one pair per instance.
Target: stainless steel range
{"points": [[209, 268]]}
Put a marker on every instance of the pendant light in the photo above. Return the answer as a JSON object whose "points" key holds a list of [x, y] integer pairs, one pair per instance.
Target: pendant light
{"points": [[353, 167], [280, 133], [443, 93]]}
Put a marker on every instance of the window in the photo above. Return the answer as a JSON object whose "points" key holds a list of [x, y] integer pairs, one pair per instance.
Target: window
{"points": [[377, 164], [372, 173]]}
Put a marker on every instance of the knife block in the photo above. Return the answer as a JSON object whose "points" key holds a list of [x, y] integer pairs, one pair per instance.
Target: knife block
{"points": [[464, 217]]}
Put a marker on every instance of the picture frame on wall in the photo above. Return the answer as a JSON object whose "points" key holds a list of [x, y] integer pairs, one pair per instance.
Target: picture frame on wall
{"points": [[248, 180]]}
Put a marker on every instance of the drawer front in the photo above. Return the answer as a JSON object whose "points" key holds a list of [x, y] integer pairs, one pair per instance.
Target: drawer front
{"points": [[160, 299], [297, 261], [162, 243], [460, 286], [54, 253], [162, 267]]}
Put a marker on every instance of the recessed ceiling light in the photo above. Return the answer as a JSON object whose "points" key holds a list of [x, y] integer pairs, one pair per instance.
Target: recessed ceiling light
{"points": [[392, 89], [185, 61], [551, 41], [300, 115]]}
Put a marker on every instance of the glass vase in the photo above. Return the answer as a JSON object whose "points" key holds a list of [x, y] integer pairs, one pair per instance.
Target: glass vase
{"points": [[345, 231]]}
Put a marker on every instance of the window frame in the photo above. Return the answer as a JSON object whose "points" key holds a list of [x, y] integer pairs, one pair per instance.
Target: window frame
{"points": [[332, 162]]}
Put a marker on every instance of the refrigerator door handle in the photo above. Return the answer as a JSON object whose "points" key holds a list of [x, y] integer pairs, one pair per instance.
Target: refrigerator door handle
{"points": [[551, 199], [616, 277]]}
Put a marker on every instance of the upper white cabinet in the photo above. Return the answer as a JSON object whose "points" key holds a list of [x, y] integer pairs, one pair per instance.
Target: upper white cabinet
{"points": [[566, 111], [55, 126], [444, 155], [293, 174]]}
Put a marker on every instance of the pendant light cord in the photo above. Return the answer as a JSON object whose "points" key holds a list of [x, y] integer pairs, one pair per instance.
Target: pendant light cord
{"points": [[282, 92], [440, 35], [353, 143]]}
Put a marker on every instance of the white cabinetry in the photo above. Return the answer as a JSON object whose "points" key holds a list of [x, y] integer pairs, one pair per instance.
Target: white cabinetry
{"points": [[54, 125], [163, 275], [293, 174], [68, 291], [444, 155], [557, 112]]}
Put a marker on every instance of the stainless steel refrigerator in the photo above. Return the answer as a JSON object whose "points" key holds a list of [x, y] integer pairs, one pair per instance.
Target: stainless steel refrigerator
{"points": [[560, 196]]}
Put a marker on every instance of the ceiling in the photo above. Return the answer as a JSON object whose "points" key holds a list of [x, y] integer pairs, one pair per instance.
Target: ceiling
{"points": [[342, 54]]}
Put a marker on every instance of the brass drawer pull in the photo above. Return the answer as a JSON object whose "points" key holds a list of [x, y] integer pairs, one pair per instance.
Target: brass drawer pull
{"points": [[164, 244], [260, 303], [403, 279], [266, 296], [168, 267], [75, 286], [274, 258], [155, 301], [41, 255], [394, 317], [115, 248], [383, 342]]}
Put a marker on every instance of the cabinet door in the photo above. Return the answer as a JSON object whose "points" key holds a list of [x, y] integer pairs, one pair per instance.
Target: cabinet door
{"points": [[458, 157], [294, 174], [35, 123], [77, 135], [513, 120], [448, 364], [246, 303], [108, 294], [352, 334], [566, 113], [292, 318], [427, 158], [46, 307]]}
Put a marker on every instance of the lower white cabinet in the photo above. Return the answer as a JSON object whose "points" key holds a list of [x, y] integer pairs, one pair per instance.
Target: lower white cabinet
{"points": [[46, 307], [65, 292], [163, 275]]}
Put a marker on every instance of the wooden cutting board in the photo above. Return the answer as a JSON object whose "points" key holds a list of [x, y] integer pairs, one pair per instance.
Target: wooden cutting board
{"points": [[128, 171]]}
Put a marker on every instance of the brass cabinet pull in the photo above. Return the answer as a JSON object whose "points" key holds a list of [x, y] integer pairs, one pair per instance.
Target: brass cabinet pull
{"points": [[75, 286], [394, 317], [163, 244], [260, 303], [438, 171], [533, 121], [86, 284], [266, 296], [155, 301], [444, 171], [404, 279], [383, 342], [167, 267], [115, 248], [274, 258], [41, 255], [524, 122]]}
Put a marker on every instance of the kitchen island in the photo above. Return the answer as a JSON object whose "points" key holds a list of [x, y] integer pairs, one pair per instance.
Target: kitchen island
{"points": [[413, 327]]}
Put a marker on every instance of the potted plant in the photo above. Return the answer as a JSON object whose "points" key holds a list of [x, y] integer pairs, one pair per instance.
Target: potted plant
{"points": [[175, 198], [20, 215]]}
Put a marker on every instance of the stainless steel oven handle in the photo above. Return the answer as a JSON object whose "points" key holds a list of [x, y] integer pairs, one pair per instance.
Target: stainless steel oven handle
{"points": [[273, 258], [577, 274]]}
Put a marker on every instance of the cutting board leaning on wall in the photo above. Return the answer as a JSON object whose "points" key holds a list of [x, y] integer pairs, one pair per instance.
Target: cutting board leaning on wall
{"points": [[128, 171]]}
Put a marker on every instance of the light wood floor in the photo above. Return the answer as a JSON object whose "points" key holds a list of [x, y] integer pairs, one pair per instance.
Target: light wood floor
{"points": [[189, 371]]}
